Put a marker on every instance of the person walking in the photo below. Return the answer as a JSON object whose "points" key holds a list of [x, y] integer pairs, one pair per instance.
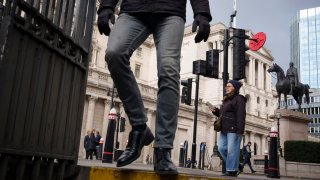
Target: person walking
{"points": [[86, 144], [92, 145], [165, 20], [232, 114], [246, 151], [98, 146]]}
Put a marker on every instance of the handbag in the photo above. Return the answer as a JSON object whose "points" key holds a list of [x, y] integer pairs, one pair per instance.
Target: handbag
{"points": [[217, 125]]}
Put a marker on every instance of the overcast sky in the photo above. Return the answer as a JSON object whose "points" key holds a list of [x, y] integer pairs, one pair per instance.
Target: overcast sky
{"points": [[272, 17]]}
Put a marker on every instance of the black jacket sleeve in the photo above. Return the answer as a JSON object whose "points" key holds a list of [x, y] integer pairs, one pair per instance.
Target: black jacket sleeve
{"points": [[201, 7], [240, 112], [107, 4]]}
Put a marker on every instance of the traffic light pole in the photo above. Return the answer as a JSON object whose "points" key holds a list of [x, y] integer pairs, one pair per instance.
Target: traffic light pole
{"points": [[194, 142]]}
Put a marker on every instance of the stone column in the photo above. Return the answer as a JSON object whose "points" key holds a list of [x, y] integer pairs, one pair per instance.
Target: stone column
{"points": [[251, 71], [252, 138], [264, 145], [268, 77], [260, 77], [94, 57], [107, 108], [91, 107]]}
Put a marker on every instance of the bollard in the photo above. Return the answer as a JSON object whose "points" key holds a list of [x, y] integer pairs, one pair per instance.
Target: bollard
{"points": [[99, 151], [273, 167], [109, 143], [181, 156], [266, 162]]}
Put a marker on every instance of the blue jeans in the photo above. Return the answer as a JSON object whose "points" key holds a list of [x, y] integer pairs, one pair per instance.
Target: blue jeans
{"points": [[128, 33], [229, 148]]}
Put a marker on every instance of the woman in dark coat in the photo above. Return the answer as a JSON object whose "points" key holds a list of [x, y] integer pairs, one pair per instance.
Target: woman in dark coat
{"points": [[232, 114]]}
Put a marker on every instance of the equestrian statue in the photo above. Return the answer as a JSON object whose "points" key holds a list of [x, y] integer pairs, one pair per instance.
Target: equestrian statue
{"points": [[290, 85]]}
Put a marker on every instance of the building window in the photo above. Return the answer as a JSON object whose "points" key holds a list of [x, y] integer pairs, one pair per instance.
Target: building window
{"points": [[312, 130], [267, 103], [137, 70], [258, 100], [139, 52], [312, 99]]}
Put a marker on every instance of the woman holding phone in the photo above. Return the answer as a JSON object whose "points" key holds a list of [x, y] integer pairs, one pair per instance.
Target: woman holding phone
{"points": [[232, 114]]}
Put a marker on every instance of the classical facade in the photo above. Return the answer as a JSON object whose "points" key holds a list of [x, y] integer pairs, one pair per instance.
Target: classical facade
{"points": [[257, 89]]}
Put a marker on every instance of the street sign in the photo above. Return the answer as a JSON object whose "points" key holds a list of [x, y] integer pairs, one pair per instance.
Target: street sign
{"points": [[257, 41]]}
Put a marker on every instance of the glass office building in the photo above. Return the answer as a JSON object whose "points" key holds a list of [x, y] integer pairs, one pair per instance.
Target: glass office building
{"points": [[305, 45]]}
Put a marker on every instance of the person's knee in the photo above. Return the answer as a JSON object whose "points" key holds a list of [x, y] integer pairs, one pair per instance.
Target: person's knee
{"points": [[113, 59], [221, 149]]}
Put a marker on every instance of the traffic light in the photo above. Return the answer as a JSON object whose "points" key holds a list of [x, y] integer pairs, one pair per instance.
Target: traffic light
{"points": [[212, 63], [239, 54], [199, 67], [122, 124], [186, 91]]}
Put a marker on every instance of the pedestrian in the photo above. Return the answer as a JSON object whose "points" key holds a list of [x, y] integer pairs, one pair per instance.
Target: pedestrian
{"points": [[165, 20], [92, 145], [188, 163], [148, 159], [232, 114], [246, 151], [86, 144], [98, 146]]}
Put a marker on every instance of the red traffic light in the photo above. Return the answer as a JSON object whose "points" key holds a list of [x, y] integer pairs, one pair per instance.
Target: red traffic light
{"points": [[257, 41]]}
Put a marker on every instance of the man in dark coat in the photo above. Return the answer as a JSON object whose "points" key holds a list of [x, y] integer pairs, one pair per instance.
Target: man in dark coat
{"points": [[86, 144], [246, 151], [165, 20]]}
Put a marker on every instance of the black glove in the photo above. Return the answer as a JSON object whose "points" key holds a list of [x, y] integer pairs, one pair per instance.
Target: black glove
{"points": [[103, 20], [204, 28]]}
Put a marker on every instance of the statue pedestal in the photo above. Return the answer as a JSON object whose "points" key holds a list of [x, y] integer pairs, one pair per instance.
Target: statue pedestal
{"points": [[293, 125]]}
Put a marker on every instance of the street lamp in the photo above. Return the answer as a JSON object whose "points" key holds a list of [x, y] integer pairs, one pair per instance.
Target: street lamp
{"points": [[278, 117]]}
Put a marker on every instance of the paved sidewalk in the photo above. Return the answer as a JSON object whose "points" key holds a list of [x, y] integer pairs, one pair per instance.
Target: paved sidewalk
{"points": [[144, 168]]}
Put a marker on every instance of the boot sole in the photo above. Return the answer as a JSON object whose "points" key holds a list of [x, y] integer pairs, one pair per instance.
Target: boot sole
{"points": [[146, 143]]}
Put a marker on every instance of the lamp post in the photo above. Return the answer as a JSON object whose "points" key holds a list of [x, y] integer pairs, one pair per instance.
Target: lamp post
{"points": [[278, 117]]}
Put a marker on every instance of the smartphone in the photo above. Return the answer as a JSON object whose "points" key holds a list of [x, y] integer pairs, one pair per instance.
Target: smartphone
{"points": [[210, 105]]}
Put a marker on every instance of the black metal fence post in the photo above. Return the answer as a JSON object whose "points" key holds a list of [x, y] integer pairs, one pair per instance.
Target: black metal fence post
{"points": [[194, 142]]}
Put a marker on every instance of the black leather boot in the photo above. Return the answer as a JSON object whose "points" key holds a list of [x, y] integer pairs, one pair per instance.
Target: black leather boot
{"points": [[163, 164], [136, 142]]}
